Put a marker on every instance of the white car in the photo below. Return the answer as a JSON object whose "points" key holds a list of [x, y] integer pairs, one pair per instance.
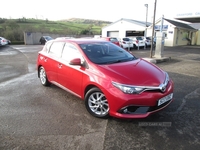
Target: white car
{"points": [[138, 42], [126, 42], [3, 41], [147, 41]]}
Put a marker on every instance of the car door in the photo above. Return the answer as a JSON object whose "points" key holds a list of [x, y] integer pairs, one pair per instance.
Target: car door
{"points": [[52, 61], [71, 76]]}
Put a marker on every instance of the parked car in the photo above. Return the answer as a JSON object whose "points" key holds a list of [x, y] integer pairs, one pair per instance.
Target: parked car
{"points": [[44, 39], [126, 43], [111, 39], [111, 81], [4, 41], [138, 42], [147, 41]]}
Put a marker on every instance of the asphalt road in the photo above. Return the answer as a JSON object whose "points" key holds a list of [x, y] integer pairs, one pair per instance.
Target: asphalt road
{"points": [[34, 117]]}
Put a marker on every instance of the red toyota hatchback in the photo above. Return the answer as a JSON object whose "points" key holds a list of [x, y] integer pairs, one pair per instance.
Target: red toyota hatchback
{"points": [[110, 80]]}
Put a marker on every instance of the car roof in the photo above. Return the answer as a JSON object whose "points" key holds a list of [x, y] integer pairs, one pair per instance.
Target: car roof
{"points": [[81, 40]]}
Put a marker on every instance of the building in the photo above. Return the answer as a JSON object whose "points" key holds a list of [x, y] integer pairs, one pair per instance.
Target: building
{"points": [[197, 38], [176, 33], [125, 28]]}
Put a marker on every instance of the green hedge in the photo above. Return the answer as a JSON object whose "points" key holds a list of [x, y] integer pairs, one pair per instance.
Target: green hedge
{"points": [[17, 42]]}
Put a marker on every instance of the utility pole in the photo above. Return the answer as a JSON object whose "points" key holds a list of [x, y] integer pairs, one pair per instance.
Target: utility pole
{"points": [[146, 5], [154, 15]]}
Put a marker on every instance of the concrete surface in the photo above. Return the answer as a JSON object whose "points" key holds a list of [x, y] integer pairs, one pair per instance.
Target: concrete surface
{"points": [[34, 117]]}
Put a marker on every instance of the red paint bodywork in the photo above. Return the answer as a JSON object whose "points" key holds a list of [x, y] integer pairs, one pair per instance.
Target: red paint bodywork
{"points": [[77, 79]]}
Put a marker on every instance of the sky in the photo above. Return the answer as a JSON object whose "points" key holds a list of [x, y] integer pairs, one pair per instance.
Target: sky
{"points": [[106, 10]]}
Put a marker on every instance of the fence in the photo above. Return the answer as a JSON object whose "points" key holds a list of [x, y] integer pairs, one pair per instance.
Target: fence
{"points": [[33, 38]]}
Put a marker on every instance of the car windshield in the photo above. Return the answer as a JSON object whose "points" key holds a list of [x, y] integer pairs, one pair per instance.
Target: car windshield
{"points": [[48, 38], [114, 40], [148, 38], [126, 39], [106, 53], [139, 38]]}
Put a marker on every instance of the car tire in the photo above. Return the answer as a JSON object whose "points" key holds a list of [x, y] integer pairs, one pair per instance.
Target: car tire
{"points": [[96, 103], [43, 77], [134, 46]]}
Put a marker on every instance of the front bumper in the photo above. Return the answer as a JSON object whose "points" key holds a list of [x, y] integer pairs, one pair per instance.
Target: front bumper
{"points": [[139, 105]]}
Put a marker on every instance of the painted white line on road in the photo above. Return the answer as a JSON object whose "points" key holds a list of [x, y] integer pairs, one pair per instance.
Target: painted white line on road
{"points": [[18, 79]]}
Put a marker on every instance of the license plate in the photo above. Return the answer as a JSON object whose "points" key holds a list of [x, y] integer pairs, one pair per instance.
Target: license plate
{"points": [[165, 99]]}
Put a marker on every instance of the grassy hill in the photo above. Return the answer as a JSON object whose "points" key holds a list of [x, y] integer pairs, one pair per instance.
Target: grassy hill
{"points": [[13, 28]]}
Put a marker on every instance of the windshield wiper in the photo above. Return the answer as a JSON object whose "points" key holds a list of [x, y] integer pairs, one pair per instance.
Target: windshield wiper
{"points": [[119, 60]]}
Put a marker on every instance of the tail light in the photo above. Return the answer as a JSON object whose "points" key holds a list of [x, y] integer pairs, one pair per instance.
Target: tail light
{"points": [[137, 41], [124, 42]]}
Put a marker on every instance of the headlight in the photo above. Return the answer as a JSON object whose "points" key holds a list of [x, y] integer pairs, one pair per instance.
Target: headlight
{"points": [[132, 89], [128, 89], [166, 78]]}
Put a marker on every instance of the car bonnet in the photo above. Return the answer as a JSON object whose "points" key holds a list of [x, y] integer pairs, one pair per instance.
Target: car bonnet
{"points": [[138, 72]]}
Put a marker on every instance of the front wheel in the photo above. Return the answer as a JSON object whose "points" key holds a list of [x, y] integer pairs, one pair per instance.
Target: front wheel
{"points": [[43, 77], [96, 103]]}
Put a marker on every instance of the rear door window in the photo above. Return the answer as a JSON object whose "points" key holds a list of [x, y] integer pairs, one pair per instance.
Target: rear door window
{"points": [[70, 52], [56, 49]]}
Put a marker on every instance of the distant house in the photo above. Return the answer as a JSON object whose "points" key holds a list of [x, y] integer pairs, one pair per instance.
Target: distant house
{"points": [[125, 28], [176, 32], [197, 38]]}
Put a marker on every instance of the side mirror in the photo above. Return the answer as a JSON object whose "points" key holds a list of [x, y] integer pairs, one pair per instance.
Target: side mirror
{"points": [[75, 61]]}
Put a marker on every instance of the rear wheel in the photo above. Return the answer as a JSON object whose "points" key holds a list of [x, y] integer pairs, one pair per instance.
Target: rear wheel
{"points": [[96, 103], [43, 77]]}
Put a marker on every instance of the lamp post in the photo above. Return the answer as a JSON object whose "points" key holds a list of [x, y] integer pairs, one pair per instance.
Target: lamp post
{"points": [[146, 5], [153, 27]]}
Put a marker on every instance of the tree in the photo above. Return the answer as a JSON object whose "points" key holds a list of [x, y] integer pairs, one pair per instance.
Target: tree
{"points": [[85, 32], [12, 24]]}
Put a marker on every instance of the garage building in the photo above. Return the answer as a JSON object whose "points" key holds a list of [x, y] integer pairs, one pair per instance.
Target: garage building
{"points": [[176, 33], [125, 28]]}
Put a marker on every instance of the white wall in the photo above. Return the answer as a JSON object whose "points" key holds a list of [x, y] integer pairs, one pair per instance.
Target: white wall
{"points": [[122, 26], [198, 37]]}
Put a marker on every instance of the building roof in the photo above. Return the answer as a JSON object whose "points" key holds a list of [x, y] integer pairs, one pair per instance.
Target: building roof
{"points": [[195, 25], [137, 22], [180, 24], [141, 23]]}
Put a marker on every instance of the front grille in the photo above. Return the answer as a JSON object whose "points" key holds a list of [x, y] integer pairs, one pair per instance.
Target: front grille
{"points": [[158, 107], [140, 109]]}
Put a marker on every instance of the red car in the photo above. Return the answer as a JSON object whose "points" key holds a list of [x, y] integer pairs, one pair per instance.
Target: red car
{"points": [[112, 39], [110, 80]]}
